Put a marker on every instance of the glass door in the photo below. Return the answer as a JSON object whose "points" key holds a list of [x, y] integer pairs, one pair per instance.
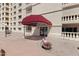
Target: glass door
{"points": [[43, 31]]}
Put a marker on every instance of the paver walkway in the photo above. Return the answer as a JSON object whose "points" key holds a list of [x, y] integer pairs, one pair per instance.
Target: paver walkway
{"points": [[16, 45]]}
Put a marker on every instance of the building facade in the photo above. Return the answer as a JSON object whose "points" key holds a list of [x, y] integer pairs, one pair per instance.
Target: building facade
{"points": [[4, 15], [11, 15], [15, 12], [63, 16], [53, 13], [70, 21]]}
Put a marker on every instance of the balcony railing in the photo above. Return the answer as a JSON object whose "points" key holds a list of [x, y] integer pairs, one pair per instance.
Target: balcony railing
{"points": [[74, 20], [70, 34], [69, 4]]}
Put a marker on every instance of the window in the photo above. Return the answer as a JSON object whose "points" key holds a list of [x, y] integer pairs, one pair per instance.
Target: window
{"points": [[14, 18], [75, 29], [29, 9], [11, 9], [20, 16], [19, 28], [14, 23], [19, 23], [7, 4], [20, 4], [7, 14], [14, 28], [20, 10], [2, 28], [11, 24], [7, 9], [7, 23], [11, 3], [10, 18], [28, 28], [14, 12], [2, 18], [14, 7], [3, 4], [10, 28], [69, 29], [7, 18], [11, 13]]}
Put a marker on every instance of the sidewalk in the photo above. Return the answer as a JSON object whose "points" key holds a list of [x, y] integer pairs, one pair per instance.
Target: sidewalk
{"points": [[16, 45]]}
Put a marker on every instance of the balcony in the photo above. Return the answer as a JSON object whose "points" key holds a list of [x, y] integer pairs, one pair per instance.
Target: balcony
{"points": [[70, 34], [69, 4], [70, 19]]}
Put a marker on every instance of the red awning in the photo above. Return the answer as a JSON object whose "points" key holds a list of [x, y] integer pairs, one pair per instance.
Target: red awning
{"points": [[35, 18]]}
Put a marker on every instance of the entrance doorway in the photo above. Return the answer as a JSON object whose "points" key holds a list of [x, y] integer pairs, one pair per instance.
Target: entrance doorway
{"points": [[43, 31]]}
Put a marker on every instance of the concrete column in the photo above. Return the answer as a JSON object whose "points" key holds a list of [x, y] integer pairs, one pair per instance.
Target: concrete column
{"points": [[77, 35], [24, 30]]}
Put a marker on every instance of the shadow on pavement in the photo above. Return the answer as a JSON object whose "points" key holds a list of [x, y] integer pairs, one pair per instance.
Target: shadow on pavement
{"points": [[36, 38]]}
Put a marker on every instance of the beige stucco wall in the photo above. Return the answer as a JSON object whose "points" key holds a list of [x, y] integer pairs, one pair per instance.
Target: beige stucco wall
{"points": [[46, 7], [72, 11], [55, 17]]}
